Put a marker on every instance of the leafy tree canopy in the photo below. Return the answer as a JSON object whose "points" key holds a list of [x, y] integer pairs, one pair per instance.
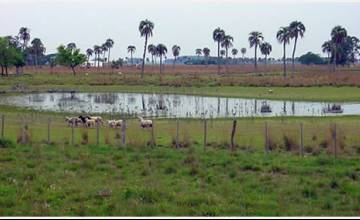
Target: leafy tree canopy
{"points": [[70, 57], [311, 58]]}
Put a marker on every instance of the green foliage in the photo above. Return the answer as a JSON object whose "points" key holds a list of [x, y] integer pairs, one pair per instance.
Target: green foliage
{"points": [[311, 58], [5, 143], [70, 57], [9, 55]]}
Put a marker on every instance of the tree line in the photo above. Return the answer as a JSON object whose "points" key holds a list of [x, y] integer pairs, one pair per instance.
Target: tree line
{"points": [[15, 51]]}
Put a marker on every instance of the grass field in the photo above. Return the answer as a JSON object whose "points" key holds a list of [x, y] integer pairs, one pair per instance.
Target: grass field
{"points": [[107, 179]]}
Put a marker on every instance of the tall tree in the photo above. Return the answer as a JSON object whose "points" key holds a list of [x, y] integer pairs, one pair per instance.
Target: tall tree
{"points": [[104, 49], [131, 49], [234, 52], [161, 51], [70, 57], [243, 52], [109, 44], [327, 47], [89, 53], [71, 46], [198, 52], [176, 52], [146, 30], [255, 39], [297, 29], [283, 36], [206, 52], [37, 49], [227, 44], [218, 35], [97, 52], [265, 49], [152, 51], [338, 36], [24, 35]]}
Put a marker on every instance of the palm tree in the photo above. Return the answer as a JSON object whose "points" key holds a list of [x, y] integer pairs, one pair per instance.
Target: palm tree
{"points": [[265, 49], [283, 36], [255, 39], [327, 48], [338, 36], [234, 52], [176, 52], [71, 46], [222, 53], [89, 53], [37, 48], [109, 44], [198, 52], [104, 49], [152, 51], [97, 52], [24, 35], [206, 52], [161, 51], [146, 30], [243, 52], [131, 49], [297, 29], [218, 36], [227, 43]]}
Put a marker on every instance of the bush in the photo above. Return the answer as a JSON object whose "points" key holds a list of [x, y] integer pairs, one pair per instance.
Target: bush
{"points": [[5, 143]]}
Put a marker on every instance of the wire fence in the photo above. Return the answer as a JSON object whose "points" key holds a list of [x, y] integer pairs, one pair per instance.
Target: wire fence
{"points": [[335, 137]]}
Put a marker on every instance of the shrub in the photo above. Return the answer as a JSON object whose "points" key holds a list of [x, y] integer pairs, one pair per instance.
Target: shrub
{"points": [[5, 143]]}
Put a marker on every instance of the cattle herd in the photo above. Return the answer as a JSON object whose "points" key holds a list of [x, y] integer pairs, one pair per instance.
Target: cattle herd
{"points": [[93, 121]]}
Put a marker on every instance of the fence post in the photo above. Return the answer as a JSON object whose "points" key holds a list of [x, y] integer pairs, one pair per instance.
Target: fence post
{"points": [[153, 142], [72, 134], [48, 134], [233, 134], [205, 134], [266, 138], [177, 133], [97, 133], [335, 140], [2, 125], [301, 139], [123, 134]]}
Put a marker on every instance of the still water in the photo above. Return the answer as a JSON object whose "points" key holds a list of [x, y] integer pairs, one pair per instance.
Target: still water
{"points": [[170, 106]]}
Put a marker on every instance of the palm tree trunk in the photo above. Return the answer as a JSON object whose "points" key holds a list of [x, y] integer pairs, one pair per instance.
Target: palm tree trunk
{"points": [[256, 57], [174, 62], [293, 55], [218, 57], [284, 59], [265, 60], [227, 60], [6, 71], [329, 60], [73, 70], [335, 59], [160, 68], [143, 61], [109, 55], [132, 62]]}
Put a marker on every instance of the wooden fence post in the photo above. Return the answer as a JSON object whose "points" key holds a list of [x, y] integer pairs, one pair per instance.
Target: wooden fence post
{"points": [[153, 142], [123, 134], [2, 125], [335, 140], [233, 134], [177, 133], [72, 134], [48, 134], [205, 134], [97, 133], [302, 139], [266, 138]]}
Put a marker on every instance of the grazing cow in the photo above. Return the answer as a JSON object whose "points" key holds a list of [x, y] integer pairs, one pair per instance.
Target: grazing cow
{"points": [[84, 118], [145, 123], [98, 119], [90, 123]]}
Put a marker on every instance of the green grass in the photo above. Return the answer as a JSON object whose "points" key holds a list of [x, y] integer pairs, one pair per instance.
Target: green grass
{"points": [[43, 180]]}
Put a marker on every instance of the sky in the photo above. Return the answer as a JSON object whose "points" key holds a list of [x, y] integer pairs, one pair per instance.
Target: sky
{"points": [[187, 23]]}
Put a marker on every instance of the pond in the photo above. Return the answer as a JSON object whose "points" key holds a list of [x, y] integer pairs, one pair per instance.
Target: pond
{"points": [[171, 106]]}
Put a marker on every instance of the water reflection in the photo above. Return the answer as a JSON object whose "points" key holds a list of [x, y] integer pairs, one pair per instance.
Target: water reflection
{"points": [[159, 105]]}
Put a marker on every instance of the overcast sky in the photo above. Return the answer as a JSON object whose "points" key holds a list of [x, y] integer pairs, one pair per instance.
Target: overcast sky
{"points": [[188, 23]]}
